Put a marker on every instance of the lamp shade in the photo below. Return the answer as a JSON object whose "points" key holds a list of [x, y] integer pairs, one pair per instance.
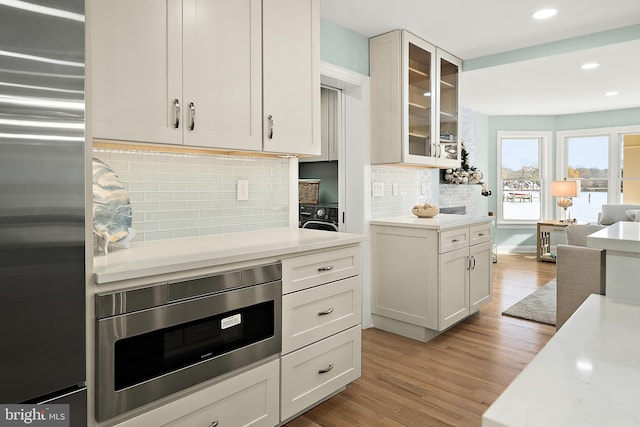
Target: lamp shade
{"points": [[565, 188]]}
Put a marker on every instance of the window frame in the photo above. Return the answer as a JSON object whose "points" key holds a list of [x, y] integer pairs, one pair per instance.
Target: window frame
{"points": [[544, 159]]}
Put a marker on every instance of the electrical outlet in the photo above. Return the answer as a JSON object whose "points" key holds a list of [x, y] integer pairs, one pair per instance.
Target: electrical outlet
{"points": [[243, 189], [423, 189], [394, 189], [378, 189]]}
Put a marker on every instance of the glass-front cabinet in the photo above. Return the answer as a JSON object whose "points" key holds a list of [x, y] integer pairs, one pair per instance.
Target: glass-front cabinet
{"points": [[448, 107], [419, 87], [415, 102]]}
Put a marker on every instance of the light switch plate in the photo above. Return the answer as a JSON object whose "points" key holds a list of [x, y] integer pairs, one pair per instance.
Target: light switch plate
{"points": [[243, 189], [423, 189], [394, 189]]}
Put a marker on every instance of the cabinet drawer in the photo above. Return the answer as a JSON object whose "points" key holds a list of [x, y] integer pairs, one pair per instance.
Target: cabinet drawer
{"points": [[248, 399], [480, 233], [314, 372], [311, 270], [454, 239], [313, 314]]}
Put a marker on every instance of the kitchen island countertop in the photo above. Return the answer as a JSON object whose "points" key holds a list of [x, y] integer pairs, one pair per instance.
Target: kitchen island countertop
{"points": [[167, 256], [586, 375]]}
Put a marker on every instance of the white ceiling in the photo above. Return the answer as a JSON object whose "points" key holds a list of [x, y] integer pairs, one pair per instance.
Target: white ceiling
{"points": [[550, 85]]}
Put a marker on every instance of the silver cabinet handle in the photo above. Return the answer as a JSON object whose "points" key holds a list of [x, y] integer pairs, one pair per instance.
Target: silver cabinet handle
{"points": [[270, 126], [474, 262], [214, 423], [468, 263], [327, 268], [455, 241], [192, 116], [325, 370], [176, 111], [325, 312]]}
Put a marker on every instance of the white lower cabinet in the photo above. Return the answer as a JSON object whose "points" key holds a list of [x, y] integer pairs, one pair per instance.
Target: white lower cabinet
{"points": [[424, 280], [321, 327], [223, 404]]}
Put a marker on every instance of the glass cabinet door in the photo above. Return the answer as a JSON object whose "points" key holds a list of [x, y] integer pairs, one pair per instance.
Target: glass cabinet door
{"points": [[419, 92], [449, 142]]}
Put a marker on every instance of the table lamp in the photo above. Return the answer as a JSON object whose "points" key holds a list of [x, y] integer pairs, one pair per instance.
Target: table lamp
{"points": [[565, 190]]}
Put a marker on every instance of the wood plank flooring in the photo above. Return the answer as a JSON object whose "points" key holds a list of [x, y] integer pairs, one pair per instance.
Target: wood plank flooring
{"points": [[452, 379]]}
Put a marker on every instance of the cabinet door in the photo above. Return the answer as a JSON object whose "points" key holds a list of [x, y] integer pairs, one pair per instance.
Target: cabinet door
{"points": [[418, 144], [448, 109], [291, 76], [222, 74], [480, 276], [136, 69], [454, 287], [404, 275]]}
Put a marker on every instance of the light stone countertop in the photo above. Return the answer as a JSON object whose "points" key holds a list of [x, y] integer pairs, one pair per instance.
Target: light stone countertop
{"points": [[438, 222], [588, 374], [168, 256], [622, 236]]}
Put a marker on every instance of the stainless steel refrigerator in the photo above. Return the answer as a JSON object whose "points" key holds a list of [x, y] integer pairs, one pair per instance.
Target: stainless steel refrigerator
{"points": [[42, 204]]}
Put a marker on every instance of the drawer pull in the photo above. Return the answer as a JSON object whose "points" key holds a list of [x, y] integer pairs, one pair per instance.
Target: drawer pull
{"points": [[325, 370], [455, 241], [481, 234], [214, 423], [327, 268], [324, 313]]}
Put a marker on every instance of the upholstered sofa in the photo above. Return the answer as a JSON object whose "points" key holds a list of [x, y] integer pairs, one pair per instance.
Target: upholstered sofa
{"points": [[581, 271]]}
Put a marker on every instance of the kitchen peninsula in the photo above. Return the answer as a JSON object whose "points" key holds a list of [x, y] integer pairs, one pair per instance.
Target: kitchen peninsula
{"points": [[622, 244]]}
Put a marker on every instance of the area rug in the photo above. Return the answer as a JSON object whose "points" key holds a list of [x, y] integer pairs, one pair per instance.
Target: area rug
{"points": [[540, 306]]}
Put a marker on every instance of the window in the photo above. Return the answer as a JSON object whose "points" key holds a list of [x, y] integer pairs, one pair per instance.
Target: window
{"points": [[588, 162], [523, 160], [607, 163], [630, 173]]}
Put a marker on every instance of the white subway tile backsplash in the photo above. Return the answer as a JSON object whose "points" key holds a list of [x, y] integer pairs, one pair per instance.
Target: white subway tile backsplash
{"points": [[409, 182], [177, 195]]}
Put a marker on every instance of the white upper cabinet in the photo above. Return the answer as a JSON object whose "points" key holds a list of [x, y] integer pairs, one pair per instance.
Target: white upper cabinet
{"points": [[414, 102], [291, 76], [136, 69], [222, 79], [177, 72], [191, 72]]}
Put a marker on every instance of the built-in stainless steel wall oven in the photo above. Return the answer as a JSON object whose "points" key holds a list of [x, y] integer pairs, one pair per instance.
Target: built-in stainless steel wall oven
{"points": [[158, 340]]}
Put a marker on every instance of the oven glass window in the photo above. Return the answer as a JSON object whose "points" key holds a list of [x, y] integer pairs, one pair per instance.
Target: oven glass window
{"points": [[149, 355]]}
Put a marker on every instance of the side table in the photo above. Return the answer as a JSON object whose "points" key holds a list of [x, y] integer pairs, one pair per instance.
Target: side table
{"points": [[545, 229]]}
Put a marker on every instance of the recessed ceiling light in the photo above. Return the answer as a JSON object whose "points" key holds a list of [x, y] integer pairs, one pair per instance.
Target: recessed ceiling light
{"points": [[612, 93], [544, 14], [590, 65]]}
